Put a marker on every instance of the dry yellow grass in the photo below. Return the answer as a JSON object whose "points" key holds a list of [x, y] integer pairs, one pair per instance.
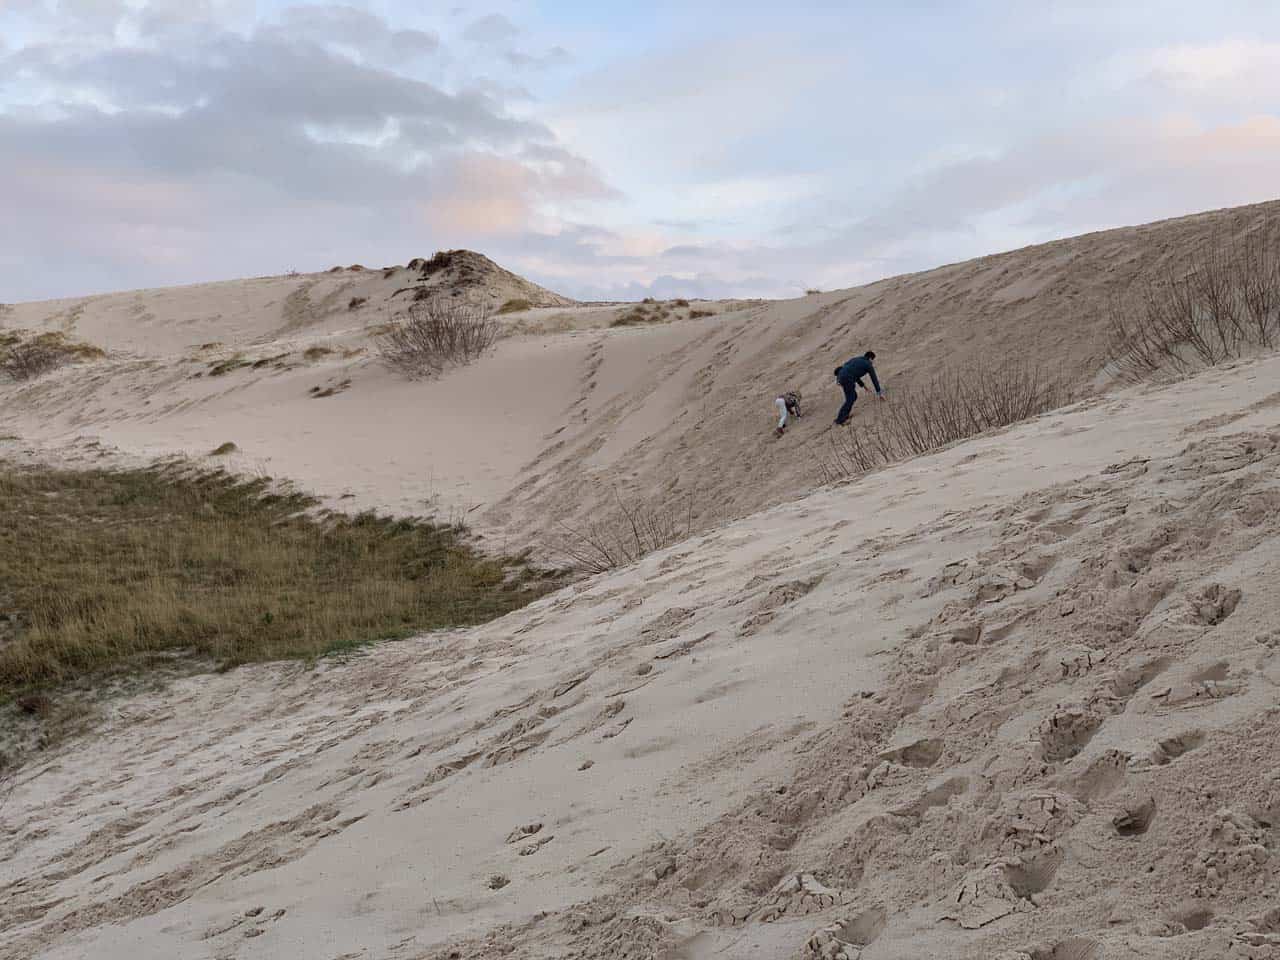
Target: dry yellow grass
{"points": [[99, 567]]}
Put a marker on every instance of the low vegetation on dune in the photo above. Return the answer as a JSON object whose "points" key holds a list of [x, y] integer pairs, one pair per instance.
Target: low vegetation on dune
{"points": [[25, 356], [1224, 307], [950, 407], [101, 569], [649, 311], [638, 316], [515, 305], [624, 532], [435, 335]]}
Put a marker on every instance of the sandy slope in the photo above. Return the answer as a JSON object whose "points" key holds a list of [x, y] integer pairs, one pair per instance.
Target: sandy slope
{"points": [[568, 409], [1015, 696]]}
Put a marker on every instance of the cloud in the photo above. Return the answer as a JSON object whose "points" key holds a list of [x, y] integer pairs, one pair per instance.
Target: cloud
{"points": [[492, 30], [344, 27], [308, 137], [555, 57]]}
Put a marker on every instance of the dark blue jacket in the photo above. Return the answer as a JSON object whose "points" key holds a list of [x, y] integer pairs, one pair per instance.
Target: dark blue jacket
{"points": [[855, 370]]}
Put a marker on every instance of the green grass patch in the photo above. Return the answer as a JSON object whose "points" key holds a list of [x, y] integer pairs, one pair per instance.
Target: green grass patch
{"points": [[101, 569]]}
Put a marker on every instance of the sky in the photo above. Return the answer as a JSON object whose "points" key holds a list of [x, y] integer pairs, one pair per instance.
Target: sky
{"points": [[706, 148]]}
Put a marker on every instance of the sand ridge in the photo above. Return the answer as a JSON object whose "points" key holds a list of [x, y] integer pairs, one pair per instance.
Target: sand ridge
{"points": [[569, 411]]}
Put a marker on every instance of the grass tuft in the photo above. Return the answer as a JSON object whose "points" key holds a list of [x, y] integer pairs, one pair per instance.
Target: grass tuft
{"points": [[515, 305], [24, 356]]}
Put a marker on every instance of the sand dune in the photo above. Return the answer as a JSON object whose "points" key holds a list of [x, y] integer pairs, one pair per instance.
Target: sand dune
{"points": [[1015, 696], [569, 411]]}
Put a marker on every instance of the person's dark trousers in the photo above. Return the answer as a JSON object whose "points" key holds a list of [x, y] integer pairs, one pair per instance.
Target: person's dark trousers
{"points": [[850, 395]]}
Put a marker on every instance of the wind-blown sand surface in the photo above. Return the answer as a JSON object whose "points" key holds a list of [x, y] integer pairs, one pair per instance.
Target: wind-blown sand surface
{"points": [[1014, 699]]}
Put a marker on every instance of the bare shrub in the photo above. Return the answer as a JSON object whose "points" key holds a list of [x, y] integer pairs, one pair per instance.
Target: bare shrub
{"points": [[440, 260], [948, 408], [1221, 308], [437, 334], [25, 359], [356, 303], [29, 360], [623, 533]]}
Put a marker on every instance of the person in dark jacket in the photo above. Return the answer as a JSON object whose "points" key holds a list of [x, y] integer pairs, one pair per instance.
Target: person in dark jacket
{"points": [[850, 377]]}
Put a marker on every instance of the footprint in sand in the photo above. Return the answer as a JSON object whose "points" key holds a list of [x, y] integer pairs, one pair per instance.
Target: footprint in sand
{"points": [[1067, 731], [846, 937]]}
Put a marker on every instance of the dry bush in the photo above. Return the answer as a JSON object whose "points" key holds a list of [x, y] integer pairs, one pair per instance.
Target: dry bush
{"points": [[27, 358], [811, 291], [647, 311], [951, 407], [435, 335], [631, 318], [355, 303], [623, 533], [699, 314], [1222, 308], [440, 260]]}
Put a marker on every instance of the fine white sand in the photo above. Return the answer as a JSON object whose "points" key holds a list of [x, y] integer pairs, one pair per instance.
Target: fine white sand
{"points": [[737, 697]]}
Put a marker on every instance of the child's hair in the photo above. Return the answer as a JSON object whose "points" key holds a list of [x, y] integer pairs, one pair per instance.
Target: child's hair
{"points": [[792, 399]]}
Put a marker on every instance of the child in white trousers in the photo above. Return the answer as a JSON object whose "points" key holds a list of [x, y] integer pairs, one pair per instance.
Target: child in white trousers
{"points": [[788, 403]]}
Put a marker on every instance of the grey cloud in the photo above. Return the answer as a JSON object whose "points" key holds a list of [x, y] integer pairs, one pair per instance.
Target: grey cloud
{"points": [[494, 29], [555, 57], [285, 151], [685, 251], [357, 29]]}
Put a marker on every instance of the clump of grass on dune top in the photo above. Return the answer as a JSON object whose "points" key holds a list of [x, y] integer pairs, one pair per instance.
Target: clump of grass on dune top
{"points": [[101, 568]]}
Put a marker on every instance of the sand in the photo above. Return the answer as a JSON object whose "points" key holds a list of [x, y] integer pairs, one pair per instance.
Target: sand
{"points": [[1014, 693]]}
